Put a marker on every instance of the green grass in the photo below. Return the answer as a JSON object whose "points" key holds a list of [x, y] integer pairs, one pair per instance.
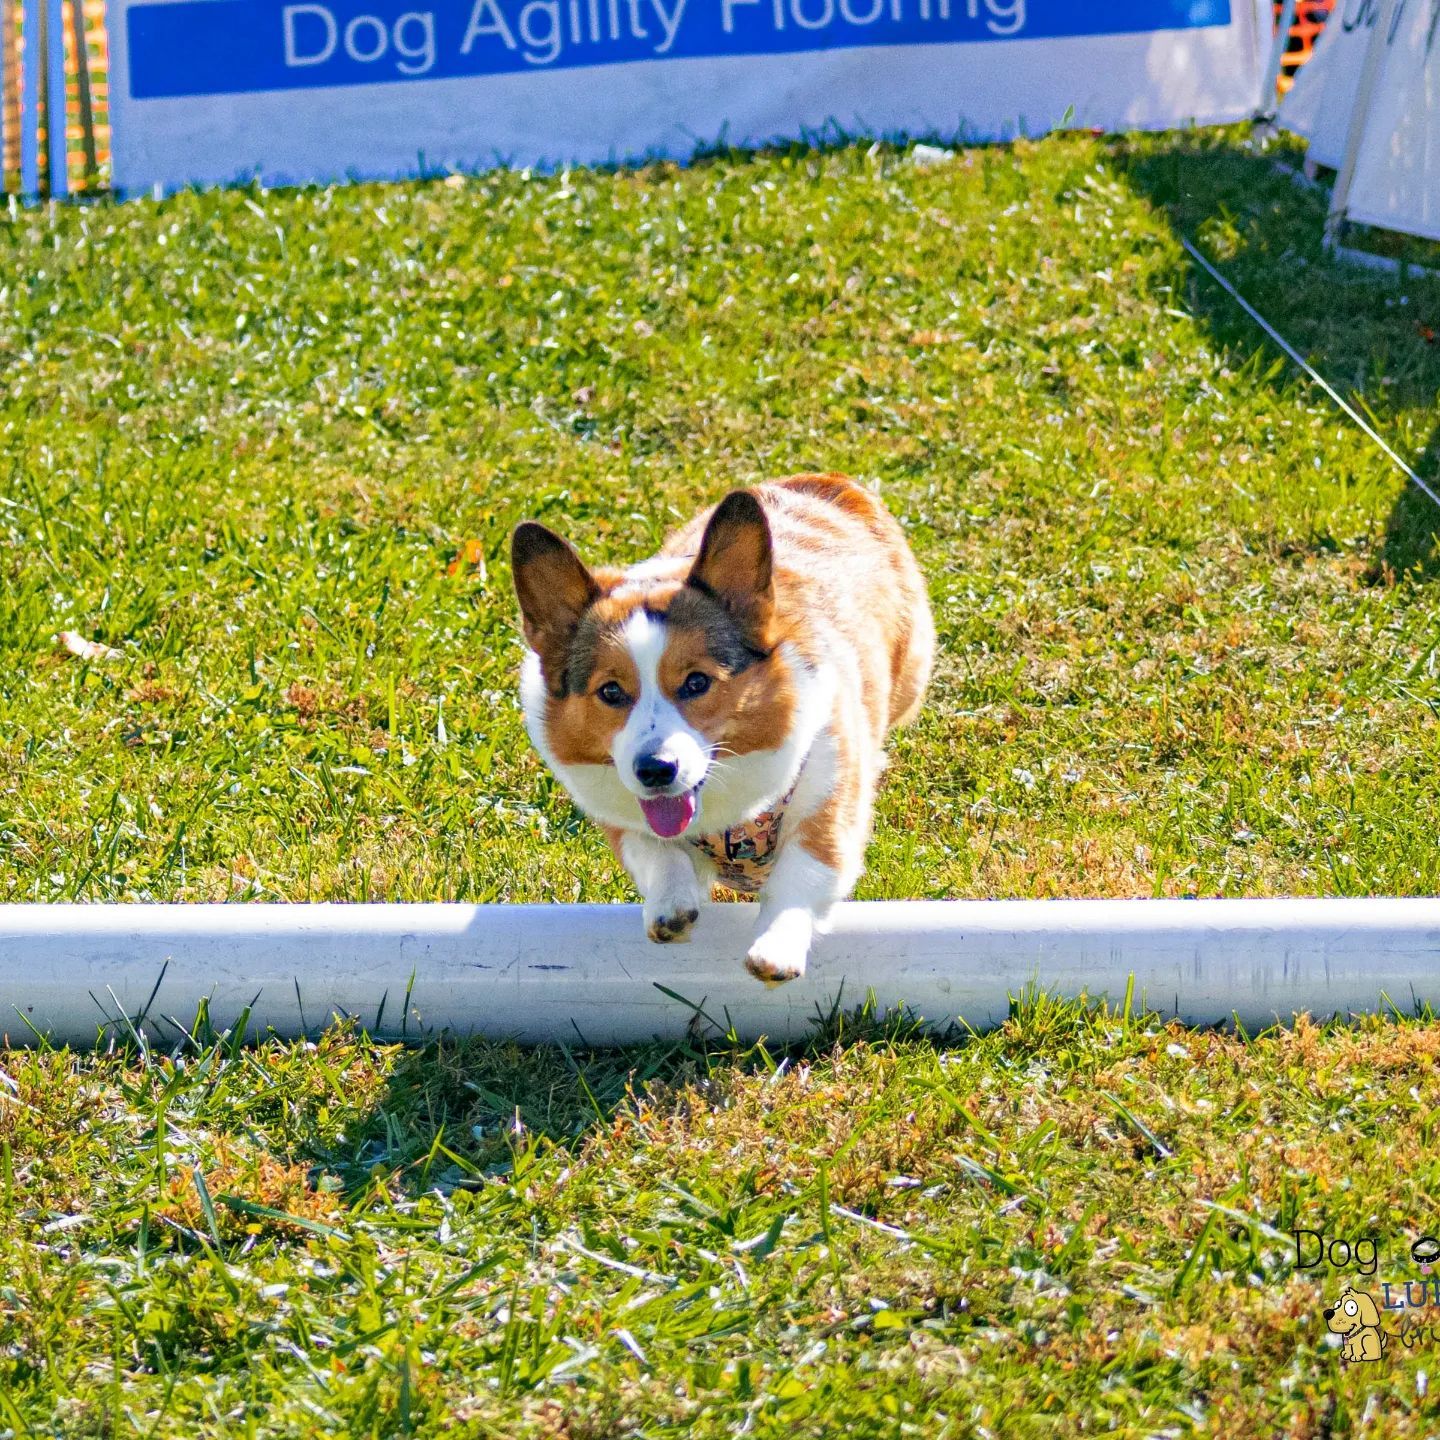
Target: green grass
{"points": [[269, 448], [1077, 1224]]}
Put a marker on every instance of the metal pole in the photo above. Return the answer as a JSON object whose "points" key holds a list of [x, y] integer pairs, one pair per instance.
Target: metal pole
{"points": [[9, 93], [1270, 94], [32, 59], [56, 120], [82, 83]]}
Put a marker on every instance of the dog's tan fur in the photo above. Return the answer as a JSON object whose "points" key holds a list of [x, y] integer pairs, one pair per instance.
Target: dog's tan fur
{"points": [[802, 606]]}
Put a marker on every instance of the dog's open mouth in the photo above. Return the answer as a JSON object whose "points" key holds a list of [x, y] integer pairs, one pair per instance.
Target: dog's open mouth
{"points": [[668, 815]]}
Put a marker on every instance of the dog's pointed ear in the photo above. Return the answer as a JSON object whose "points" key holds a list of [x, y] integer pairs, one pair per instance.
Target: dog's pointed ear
{"points": [[736, 561], [554, 589]]}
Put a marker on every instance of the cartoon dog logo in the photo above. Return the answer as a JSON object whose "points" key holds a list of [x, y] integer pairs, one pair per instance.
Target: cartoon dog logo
{"points": [[1356, 1316]]}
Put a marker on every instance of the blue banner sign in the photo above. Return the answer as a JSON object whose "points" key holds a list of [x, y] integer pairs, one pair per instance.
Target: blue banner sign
{"points": [[237, 47]]}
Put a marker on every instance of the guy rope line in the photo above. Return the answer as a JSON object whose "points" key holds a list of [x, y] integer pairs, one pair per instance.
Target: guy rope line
{"points": [[1306, 366]]}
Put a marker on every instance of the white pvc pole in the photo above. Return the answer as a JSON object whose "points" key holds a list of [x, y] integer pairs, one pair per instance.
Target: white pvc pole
{"points": [[585, 974]]}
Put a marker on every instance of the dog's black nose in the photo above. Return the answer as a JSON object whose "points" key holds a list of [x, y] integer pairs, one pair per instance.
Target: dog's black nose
{"points": [[1328, 1313], [655, 773]]}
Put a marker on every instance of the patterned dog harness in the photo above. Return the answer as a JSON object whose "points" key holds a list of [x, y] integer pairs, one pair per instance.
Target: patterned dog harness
{"points": [[744, 853]]}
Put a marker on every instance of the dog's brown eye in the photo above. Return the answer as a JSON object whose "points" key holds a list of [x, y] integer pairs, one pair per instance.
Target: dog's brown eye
{"points": [[696, 683], [611, 693]]}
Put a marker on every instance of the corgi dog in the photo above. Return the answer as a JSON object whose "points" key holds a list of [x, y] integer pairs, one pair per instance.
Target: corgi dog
{"points": [[721, 709]]}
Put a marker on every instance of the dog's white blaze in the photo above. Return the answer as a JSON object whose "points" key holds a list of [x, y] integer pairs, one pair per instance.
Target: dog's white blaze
{"points": [[656, 726], [737, 787]]}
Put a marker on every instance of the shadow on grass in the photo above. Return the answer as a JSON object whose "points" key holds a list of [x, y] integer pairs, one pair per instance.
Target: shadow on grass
{"points": [[1372, 334], [459, 1113]]}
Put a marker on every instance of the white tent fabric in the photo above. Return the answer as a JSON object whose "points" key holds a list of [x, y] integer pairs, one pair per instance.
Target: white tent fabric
{"points": [[1395, 183], [1397, 174], [1321, 104]]}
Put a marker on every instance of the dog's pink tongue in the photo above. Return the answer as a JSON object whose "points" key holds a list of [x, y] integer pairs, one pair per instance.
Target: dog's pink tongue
{"points": [[669, 814]]}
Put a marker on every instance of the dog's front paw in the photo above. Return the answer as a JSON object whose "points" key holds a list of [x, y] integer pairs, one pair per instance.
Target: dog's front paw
{"points": [[779, 951], [670, 921]]}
